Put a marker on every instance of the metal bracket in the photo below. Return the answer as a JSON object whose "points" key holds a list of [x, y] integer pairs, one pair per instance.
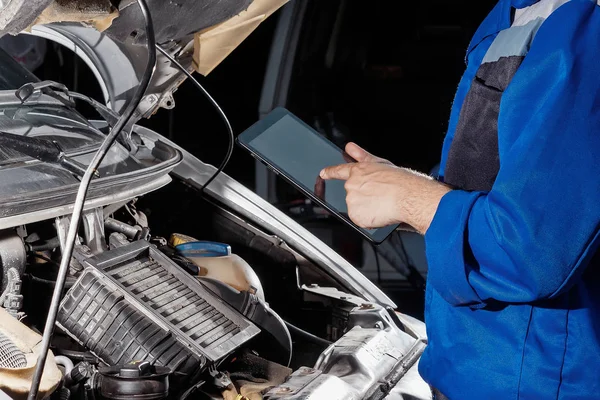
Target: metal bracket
{"points": [[93, 230]]}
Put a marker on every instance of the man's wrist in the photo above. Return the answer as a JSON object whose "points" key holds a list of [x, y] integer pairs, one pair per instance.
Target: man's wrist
{"points": [[419, 200], [431, 204]]}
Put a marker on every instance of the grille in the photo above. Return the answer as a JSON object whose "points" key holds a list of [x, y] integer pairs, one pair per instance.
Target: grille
{"points": [[134, 303], [10, 355]]}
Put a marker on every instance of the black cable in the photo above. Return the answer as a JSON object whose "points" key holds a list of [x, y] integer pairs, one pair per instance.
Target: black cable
{"points": [[404, 253], [307, 335], [82, 194], [47, 259], [76, 355], [191, 390], [219, 109], [47, 282], [378, 264], [43, 245], [414, 278]]}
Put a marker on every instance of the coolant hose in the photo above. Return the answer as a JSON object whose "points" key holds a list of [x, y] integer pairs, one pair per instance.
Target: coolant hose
{"points": [[64, 362], [307, 335]]}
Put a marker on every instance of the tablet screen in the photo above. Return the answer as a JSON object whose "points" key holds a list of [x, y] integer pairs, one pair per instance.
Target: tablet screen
{"points": [[302, 155], [299, 153]]}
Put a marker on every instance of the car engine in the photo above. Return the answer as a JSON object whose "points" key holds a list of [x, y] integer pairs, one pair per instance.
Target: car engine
{"points": [[149, 317]]}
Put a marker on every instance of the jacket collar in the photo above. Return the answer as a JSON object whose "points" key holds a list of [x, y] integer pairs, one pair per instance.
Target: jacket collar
{"points": [[522, 3], [498, 19]]}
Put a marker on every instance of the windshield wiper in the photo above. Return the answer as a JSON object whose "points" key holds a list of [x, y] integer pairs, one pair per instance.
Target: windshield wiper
{"points": [[48, 150], [44, 150], [61, 93]]}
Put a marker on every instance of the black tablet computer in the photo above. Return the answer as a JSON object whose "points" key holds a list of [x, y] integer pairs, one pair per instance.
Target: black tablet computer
{"points": [[297, 153]]}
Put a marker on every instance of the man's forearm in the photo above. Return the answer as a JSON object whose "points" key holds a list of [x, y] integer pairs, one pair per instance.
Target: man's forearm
{"points": [[419, 199]]}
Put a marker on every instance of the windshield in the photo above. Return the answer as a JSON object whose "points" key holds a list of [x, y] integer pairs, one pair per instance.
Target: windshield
{"points": [[12, 74], [54, 123]]}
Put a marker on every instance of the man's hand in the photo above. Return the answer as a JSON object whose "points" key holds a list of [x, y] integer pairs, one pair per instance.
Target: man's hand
{"points": [[381, 194], [361, 155]]}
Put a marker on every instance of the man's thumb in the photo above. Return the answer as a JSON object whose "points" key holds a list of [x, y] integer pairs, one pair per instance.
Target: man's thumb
{"points": [[358, 153]]}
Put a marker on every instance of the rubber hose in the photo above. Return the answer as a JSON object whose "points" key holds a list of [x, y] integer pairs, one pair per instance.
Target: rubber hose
{"points": [[307, 335]]}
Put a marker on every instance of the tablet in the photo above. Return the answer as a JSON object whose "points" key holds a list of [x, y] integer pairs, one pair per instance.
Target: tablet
{"points": [[297, 153]]}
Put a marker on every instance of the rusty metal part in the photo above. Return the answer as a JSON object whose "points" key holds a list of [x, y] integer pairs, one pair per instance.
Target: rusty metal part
{"points": [[173, 20], [98, 13], [16, 15]]}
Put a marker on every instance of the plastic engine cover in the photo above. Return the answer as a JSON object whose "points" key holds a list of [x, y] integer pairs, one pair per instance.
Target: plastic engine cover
{"points": [[133, 303]]}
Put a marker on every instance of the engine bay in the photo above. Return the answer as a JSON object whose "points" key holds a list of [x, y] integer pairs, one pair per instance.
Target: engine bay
{"points": [[221, 311], [152, 285]]}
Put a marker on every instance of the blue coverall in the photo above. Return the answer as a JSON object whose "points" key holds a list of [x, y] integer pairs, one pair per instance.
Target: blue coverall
{"points": [[513, 291]]}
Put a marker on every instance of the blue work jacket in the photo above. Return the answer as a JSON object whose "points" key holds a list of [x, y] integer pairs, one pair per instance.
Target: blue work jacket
{"points": [[513, 288]]}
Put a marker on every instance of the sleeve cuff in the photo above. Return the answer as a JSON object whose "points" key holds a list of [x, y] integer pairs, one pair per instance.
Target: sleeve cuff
{"points": [[447, 249]]}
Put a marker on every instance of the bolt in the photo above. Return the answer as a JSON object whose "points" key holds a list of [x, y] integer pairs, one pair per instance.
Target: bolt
{"points": [[80, 373], [379, 325], [367, 306], [307, 371], [313, 285], [284, 389]]}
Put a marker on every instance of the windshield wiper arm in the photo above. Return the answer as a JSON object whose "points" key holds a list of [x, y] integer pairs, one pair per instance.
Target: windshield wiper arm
{"points": [[44, 150], [50, 88], [61, 93]]}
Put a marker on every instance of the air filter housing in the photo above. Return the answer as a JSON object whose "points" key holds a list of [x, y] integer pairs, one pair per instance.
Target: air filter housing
{"points": [[133, 303]]}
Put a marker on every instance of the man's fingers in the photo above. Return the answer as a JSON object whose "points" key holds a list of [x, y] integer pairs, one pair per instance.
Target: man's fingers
{"points": [[348, 158], [360, 154], [320, 188], [341, 172], [357, 152]]}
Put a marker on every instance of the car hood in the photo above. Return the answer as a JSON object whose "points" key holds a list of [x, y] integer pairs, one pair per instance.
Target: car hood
{"points": [[111, 38]]}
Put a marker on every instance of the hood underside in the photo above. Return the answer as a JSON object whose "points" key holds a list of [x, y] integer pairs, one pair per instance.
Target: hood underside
{"points": [[109, 36]]}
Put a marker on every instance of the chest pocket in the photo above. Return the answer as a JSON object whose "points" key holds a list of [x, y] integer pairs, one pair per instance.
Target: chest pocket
{"points": [[473, 160]]}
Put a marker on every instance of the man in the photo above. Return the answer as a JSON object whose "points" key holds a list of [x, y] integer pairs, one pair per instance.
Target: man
{"points": [[513, 293]]}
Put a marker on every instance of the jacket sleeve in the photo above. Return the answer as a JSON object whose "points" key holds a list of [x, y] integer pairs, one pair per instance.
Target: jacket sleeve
{"points": [[531, 237]]}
